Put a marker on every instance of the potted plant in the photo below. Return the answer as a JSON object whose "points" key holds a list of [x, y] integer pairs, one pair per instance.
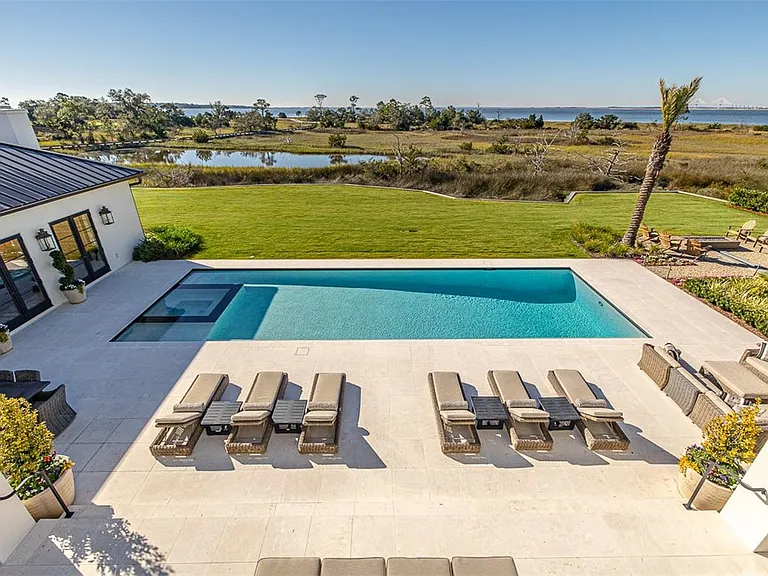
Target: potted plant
{"points": [[729, 442], [6, 345], [26, 446], [72, 288]]}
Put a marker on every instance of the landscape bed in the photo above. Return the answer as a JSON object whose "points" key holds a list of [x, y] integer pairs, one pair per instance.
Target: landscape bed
{"points": [[380, 304]]}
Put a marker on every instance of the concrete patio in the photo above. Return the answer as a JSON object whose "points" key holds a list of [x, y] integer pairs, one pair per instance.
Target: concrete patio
{"points": [[390, 490]]}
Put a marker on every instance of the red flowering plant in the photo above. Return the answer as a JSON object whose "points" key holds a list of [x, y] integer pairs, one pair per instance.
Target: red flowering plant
{"points": [[26, 446]]}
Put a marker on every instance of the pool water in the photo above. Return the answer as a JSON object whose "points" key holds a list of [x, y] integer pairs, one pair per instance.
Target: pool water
{"points": [[402, 304]]}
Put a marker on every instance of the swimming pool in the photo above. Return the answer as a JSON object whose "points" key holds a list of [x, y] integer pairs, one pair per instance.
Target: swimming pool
{"points": [[380, 304]]}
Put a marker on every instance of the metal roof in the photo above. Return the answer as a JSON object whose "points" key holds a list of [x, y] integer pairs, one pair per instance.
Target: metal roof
{"points": [[29, 176]]}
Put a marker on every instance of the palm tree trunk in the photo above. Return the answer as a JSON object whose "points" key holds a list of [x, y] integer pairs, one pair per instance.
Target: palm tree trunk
{"points": [[652, 170]]}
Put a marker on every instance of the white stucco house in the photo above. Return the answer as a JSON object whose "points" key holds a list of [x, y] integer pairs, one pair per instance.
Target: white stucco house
{"points": [[56, 201]]}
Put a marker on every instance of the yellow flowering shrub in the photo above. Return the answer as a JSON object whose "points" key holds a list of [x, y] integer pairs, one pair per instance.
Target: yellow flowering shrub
{"points": [[24, 443], [729, 442]]}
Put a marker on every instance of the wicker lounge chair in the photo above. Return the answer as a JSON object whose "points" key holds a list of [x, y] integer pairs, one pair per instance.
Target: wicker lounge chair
{"points": [[320, 432], [456, 425], [599, 423], [181, 430], [252, 426], [487, 566], [418, 567], [742, 380], [741, 232], [288, 567], [527, 424], [657, 363], [353, 567]]}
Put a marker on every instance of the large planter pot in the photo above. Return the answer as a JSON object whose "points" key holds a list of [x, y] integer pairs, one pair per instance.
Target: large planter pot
{"points": [[710, 497], [45, 505], [6, 346], [75, 296]]}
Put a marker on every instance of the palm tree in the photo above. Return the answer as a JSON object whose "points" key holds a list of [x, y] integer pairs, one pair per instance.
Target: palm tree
{"points": [[674, 103]]}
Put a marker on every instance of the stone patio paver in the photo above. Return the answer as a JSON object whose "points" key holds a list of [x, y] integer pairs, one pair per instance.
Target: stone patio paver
{"points": [[390, 490]]}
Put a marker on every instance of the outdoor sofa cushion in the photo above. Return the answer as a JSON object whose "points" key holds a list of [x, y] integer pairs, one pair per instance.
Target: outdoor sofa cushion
{"points": [[288, 567], [488, 566], [353, 567], [737, 379], [418, 567], [760, 366]]}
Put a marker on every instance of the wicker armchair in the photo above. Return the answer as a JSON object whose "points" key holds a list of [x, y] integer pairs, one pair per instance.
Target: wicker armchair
{"points": [[657, 364], [6, 377], [707, 407], [52, 408], [684, 389]]}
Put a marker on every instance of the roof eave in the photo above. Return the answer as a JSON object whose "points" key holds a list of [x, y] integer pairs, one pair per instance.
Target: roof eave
{"points": [[7, 211]]}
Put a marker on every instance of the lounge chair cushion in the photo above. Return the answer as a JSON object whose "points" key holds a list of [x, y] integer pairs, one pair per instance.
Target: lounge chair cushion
{"points": [[521, 403], [418, 567], [326, 406], [509, 384], [326, 391], [353, 567], [177, 419], [737, 379], [529, 414], [454, 405], [321, 417], [458, 416], [257, 406], [198, 407], [250, 417], [590, 403], [288, 567], [448, 390], [489, 566], [606, 414], [574, 384], [264, 391], [204, 388]]}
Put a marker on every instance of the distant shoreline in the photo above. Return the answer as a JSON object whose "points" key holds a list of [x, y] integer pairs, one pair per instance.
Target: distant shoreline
{"points": [[695, 108]]}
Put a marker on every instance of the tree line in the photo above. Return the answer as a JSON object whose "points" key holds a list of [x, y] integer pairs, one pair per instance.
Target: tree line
{"points": [[123, 114]]}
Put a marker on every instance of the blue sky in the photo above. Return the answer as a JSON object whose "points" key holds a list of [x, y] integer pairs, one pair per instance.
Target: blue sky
{"points": [[495, 54]]}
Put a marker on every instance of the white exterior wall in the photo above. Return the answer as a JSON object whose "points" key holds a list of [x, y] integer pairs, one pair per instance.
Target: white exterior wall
{"points": [[15, 128], [746, 512], [16, 521], [117, 240]]}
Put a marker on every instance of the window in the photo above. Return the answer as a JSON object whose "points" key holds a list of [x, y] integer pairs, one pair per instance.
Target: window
{"points": [[21, 293], [80, 245]]}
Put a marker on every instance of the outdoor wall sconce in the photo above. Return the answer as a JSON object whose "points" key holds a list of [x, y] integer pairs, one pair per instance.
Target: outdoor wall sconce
{"points": [[106, 216], [45, 240]]}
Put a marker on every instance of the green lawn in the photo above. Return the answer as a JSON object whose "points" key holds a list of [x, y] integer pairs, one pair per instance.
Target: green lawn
{"points": [[336, 221]]}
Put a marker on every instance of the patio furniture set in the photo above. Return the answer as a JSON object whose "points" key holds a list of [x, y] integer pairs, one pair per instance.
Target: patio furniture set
{"points": [[726, 386], [698, 246], [51, 405], [528, 419], [249, 424], [398, 566]]}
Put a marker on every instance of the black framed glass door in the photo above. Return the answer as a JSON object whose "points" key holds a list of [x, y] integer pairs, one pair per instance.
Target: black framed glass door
{"points": [[79, 242], [21, 293]]}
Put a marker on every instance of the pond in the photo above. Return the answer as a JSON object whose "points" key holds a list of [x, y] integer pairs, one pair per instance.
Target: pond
{"points": [[227, 158]]}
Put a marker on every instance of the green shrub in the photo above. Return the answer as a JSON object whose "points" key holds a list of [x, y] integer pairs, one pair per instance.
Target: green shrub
{"points": [[167, 243], [200, 136], [760, 128], [599, 240], [337, 140], [501, 146], [745, 298], [466, 146], [756, 200]]}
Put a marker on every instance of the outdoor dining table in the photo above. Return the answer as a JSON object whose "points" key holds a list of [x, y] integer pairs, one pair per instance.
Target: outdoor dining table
{"points": [[26, 390]]}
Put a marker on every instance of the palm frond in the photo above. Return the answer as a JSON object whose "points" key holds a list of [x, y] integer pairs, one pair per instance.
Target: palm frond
{"points": [[675, 100]]}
